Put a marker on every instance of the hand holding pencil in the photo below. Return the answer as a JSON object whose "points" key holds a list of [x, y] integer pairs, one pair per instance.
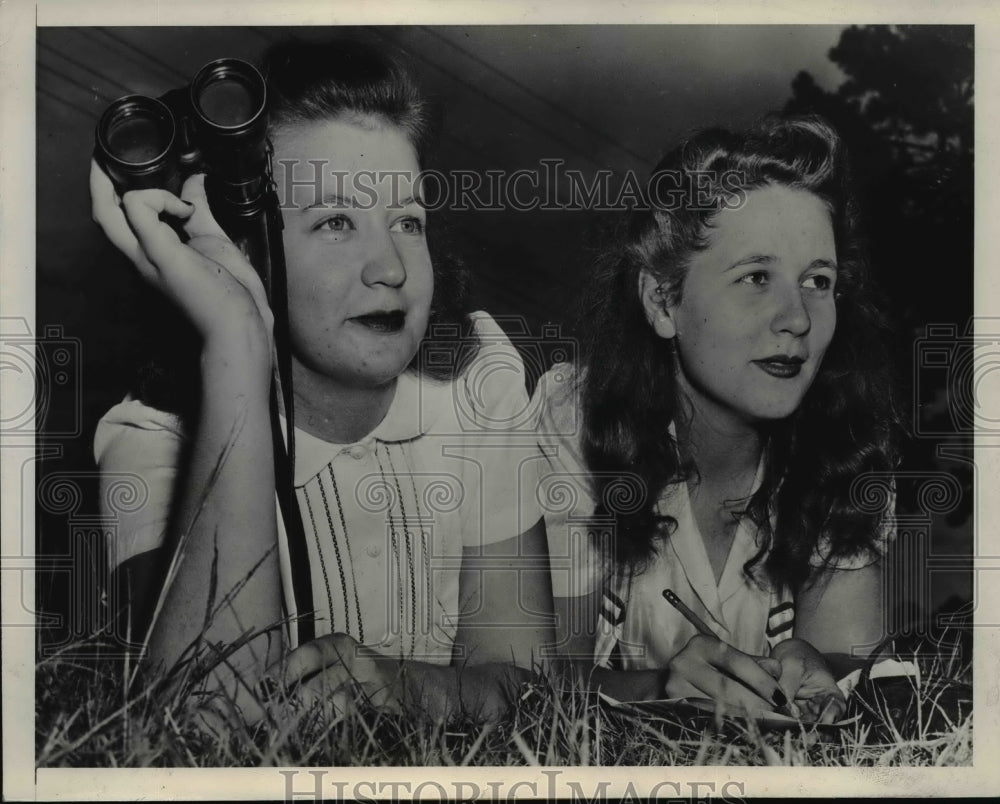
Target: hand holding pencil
{"points": [[708, 667]]}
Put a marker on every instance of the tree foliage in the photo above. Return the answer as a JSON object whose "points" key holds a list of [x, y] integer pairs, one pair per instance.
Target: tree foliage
{"points": [[906, 112]]}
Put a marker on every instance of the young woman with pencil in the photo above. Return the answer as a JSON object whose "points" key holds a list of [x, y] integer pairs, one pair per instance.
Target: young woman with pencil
{"points": [[731, 390]]}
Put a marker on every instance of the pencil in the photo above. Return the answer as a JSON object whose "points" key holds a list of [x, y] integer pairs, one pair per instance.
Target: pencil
{"points": [[689, 615], [671, 597]]}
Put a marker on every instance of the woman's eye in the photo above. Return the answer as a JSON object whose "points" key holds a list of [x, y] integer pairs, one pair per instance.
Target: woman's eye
{"points": [[412, 226], [818, 282], [337, 223], [754, 278]]}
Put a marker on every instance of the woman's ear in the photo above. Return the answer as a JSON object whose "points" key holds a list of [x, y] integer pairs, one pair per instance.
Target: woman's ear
{"points": [[654, 297]]}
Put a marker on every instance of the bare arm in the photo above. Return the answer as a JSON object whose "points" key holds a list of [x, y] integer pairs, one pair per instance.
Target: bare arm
{"points": [[577, 620], [223, 514], [504, 626], [224, 522], [506, 597], [842, 614]]}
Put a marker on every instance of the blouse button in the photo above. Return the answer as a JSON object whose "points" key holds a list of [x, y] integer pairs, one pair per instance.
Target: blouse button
{"points": [[358, 452]]}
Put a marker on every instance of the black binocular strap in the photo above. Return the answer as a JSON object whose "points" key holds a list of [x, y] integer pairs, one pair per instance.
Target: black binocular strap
{"points": [[284, 456]]}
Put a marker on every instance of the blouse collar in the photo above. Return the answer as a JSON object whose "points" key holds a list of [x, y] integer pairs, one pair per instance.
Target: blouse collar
{"points": [[689, 548], [417, 404]]}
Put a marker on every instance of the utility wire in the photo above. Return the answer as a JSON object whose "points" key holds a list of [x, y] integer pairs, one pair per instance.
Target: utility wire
{"points": [[91, 91], [174, 74], [88, 113], [510, 110], [533, 94], [85, 67]]}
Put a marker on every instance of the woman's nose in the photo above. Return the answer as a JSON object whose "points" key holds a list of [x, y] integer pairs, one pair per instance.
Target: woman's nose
{"points": [[791, 315], [383, 264]]}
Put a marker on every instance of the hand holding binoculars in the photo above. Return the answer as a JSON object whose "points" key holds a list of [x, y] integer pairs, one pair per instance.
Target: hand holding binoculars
{"points": [[216, 125]]}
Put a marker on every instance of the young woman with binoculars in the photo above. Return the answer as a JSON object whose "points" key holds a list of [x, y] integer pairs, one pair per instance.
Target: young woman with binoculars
{"points": [[412, 581]]}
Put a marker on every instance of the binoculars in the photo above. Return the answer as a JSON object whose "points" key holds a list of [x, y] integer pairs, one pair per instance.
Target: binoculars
{"points": [[216, 125]]}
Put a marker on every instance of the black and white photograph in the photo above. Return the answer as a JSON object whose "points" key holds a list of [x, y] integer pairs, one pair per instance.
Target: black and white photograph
{"points": [[573, 408]]}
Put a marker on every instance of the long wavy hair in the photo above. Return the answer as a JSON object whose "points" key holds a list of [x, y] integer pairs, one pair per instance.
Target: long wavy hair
{"points": [[353, 81], [847, 423]]}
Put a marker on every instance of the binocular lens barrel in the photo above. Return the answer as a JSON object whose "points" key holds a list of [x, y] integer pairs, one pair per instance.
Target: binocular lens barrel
{"points": [[226, 103], [137, 140], [135, 136], [228, 94]]}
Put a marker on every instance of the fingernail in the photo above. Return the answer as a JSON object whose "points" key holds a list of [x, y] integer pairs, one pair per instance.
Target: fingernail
{"points": [[779, 698], [188, 203]]}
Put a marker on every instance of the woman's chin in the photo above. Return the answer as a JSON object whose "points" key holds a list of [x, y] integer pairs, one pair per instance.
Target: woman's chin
{"points": [[375, 377], [775, 412]]}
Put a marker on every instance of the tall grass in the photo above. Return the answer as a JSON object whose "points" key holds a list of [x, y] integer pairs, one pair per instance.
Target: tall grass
{"points": [[88, 716]]}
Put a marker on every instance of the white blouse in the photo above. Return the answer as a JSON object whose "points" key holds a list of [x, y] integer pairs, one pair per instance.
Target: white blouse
{"points": [[453, 465], [637, 627]]}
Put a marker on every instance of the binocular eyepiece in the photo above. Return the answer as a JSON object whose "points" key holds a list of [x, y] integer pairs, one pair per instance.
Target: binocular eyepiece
{"points": [[216, 125]]}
